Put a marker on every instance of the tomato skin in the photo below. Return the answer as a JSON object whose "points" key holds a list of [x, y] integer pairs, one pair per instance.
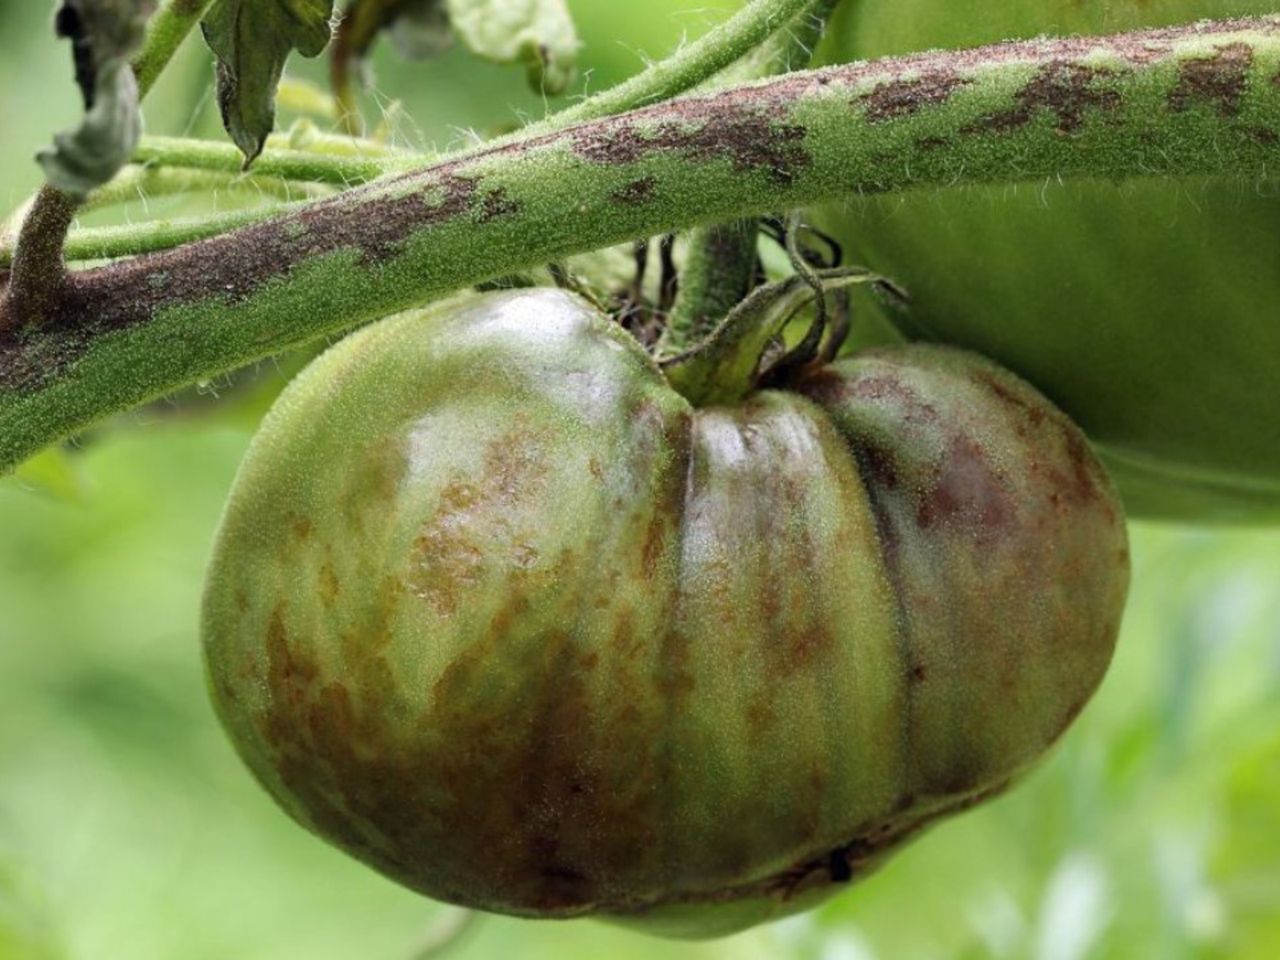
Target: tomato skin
{"points": [[1148, 311], [496, 611]]}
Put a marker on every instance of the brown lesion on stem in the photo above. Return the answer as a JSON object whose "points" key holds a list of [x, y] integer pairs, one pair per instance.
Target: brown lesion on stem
{"points": [[1061, 87], [903, 97], [234, 267], [1218, 81], [753, 129], [635, 193], [753, 139]]}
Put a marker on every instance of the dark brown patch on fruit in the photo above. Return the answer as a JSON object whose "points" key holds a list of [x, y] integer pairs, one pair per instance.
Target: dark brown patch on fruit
{"points": [[373, 485], [636, 193], [331, 724], [1067, 90], [302, 528], [750, 140], [1218, 81], [902, 97], [626, 642], [891, 390], [290, 674], [503, 784], [966, 493], [447, 559], [654, 546], [808, 646], [760, 716], [329, 585], [675, 679], [878, 466]]}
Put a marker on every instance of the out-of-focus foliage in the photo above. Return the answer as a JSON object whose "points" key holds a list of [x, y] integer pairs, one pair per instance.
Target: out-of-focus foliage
{"points": [[129, 829]]}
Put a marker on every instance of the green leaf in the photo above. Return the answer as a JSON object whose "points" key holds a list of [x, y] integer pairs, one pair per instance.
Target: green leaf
{"points": [[252, 39], [538, 33], [104, 34]]}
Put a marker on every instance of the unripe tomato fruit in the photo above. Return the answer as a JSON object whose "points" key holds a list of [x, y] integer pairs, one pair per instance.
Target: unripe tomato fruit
{"points": [[1148, 310], [495, 610]]}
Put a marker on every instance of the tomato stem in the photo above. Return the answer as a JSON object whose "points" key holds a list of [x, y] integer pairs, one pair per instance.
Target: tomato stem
{"points": [[165, 32], [929, 120]]}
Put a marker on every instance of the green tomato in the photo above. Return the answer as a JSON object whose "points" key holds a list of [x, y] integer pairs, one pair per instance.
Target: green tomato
{"points": [[1148, 311], [498, 612]]}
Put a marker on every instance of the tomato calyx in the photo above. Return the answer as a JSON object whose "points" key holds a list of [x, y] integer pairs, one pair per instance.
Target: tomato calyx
{"points": [[757, 342], [746, 351]]}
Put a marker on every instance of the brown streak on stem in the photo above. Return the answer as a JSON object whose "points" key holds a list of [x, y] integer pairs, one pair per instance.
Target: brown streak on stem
{"points": [[752, 129], [1218, 81], [899, 98]]}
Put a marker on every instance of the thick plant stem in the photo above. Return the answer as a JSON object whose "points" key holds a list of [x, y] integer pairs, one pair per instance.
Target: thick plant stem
{"points": [[688, 67], [1114, 107], [718, 272], [721, 260], [165, 33], [35, 281]]}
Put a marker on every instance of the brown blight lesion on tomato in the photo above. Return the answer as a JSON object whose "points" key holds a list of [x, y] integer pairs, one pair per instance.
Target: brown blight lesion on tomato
{"points": [[561, 643]]}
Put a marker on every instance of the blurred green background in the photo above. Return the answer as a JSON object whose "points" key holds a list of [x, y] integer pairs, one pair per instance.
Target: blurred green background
{"points": [[129, 829]]}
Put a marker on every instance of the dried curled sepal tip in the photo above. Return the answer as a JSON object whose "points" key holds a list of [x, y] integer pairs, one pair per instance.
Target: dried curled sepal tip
{"points": [[103, 35]]}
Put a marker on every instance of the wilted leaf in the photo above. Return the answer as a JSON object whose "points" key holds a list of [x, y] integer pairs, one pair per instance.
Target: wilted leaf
{"points": [[252, 39], [538, 33], [104, 34], [85, 158], [101, 32]]}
